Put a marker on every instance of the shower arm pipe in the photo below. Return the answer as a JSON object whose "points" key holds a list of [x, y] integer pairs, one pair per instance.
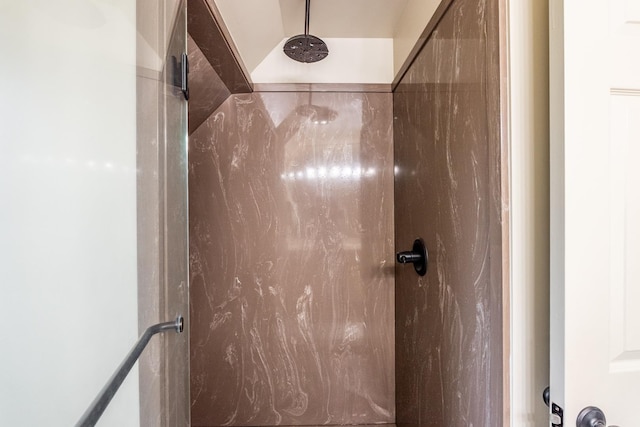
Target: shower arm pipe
{"points": [[306, 17], [100, 403]]}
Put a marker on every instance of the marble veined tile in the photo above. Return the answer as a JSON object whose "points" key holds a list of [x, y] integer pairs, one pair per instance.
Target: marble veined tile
{"points": [[207, 91], [449, 345], [292, 261]]}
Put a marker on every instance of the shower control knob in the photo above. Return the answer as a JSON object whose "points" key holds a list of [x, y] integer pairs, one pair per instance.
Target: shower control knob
{"points": [[417, 256], [409, 257]]}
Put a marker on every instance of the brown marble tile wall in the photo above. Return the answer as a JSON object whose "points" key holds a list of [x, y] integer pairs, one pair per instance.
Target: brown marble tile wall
{"points": [[207, 91], [210, 34], [447, 191], [291, 254]]}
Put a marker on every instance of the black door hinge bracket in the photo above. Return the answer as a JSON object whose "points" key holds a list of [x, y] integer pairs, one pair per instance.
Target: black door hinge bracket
{"points": [[181, 74]]}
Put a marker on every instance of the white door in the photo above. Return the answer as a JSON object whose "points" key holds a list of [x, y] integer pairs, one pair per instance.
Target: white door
{"points": [[595, 208]]}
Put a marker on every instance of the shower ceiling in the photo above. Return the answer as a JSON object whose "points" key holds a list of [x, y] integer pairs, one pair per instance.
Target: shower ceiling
{"points": [[383, 30], [344, 18]]}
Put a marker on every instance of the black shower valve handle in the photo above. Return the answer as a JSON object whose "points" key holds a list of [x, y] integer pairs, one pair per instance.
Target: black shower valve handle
{"points": [[418, 256], [407, 257]]}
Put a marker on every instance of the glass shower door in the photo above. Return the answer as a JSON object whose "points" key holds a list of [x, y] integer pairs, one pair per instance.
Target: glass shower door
{"points": [[175, 218]]}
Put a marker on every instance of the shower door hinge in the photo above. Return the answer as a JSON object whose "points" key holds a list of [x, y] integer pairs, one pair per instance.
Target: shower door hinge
{"points": [[557, 416], [181, 74], [184, 72]]}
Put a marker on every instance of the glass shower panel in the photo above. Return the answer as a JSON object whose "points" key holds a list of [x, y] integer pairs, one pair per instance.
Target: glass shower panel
{"points": [[175, 218]]}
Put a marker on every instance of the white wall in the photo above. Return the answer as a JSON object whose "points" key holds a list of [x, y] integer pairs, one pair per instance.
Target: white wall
{"points": [[414, 19], [68, 208], [529, 80], [254, 25]]}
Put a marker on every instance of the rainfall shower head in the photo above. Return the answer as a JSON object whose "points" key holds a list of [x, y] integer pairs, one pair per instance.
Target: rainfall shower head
{"points": [[305, 47]]}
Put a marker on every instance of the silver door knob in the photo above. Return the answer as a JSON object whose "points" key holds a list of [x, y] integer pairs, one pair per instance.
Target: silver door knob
{"points": [[591, 417]]}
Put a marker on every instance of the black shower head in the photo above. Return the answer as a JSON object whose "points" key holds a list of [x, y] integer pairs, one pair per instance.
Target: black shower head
{"points": [[305, 47]]}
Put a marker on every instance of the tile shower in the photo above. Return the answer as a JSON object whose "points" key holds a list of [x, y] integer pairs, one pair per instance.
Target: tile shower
{"points": [[294, 317], [447, 151], [292, 261]]}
